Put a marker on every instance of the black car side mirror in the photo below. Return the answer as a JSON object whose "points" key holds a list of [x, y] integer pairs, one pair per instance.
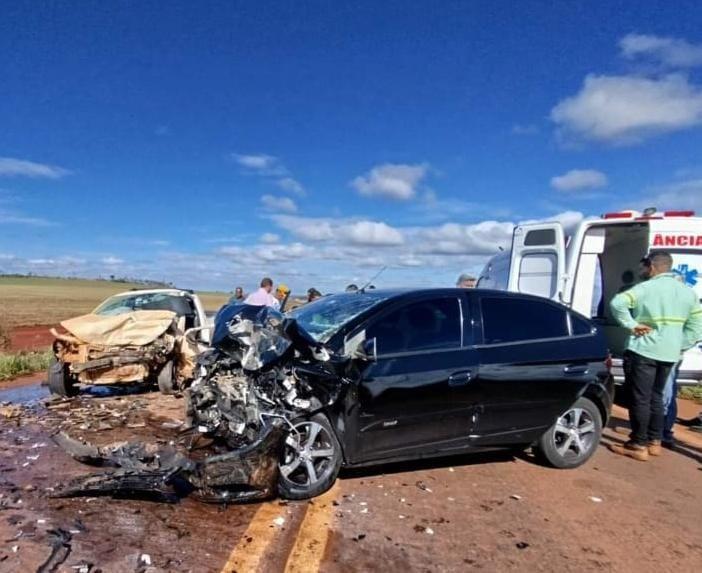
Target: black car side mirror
{"points": [[368, 350]]}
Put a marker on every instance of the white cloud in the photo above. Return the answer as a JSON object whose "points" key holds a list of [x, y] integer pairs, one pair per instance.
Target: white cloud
{"points": [[14, 218], [394, 181], [371, 233], [678, 196], [11, 167], [579, 179], [291, 186], [341, 231], [308, 229], [257, 162], [478, 239], [279, 204], [111, 261], [672, 52], [270, 238], [628, 109]]}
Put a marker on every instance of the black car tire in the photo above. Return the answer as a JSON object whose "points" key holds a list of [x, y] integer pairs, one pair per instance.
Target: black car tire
{"points": [[289, 487], [60, 381], [573, 438], [166, 378]]}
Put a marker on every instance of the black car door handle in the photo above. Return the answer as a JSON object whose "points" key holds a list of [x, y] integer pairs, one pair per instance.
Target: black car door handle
{"points": [[459, 378], [576, 369]]}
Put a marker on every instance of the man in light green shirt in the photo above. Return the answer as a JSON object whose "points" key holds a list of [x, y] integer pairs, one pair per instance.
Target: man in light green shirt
{"points": [[665, 319]]}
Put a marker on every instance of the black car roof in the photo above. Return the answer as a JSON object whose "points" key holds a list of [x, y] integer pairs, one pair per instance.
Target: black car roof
{"points": [[410, 293]]}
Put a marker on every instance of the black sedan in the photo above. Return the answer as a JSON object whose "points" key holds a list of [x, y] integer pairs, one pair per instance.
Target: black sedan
{"points": [[450, 371]]}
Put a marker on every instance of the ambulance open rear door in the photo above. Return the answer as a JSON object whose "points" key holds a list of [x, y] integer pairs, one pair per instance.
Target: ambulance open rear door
{"points": [[537, 265]]}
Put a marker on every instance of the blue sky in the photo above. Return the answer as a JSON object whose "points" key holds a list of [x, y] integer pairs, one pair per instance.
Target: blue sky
{"points": [[212, 143]]}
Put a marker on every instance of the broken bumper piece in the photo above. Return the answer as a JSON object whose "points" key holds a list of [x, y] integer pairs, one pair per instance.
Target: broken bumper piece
{"points": [[163, 473]]}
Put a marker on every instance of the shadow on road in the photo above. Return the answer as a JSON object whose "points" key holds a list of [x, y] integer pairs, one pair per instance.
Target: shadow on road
{"points": [[682, 448], [434, 463]]}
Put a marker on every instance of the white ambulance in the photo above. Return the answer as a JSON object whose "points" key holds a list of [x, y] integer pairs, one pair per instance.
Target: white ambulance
{"points": [[599, 259]]}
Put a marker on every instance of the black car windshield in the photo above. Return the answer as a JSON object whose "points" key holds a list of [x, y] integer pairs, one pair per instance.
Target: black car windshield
{"points": [[120, 304], [325, 316]]}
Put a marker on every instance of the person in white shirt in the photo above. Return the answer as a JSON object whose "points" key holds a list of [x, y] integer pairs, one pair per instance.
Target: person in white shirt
{"points": [[263, 296]]}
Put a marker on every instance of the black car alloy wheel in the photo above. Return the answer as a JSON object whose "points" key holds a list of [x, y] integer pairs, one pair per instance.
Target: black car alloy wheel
{"points": [[311, 459], [572, 440]]}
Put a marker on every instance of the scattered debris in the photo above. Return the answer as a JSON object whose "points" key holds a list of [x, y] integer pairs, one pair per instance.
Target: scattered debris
{"points": [[521, 545], [421, 485], [60, 550], [145, 559], [515, 496], [595, 499], [10, 412], [82, 567], [424, 529], [279, 521]]}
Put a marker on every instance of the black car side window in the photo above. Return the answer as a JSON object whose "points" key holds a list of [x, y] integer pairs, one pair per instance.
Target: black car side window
{"points": [[580, 325], [426, 325], [512, 319]]}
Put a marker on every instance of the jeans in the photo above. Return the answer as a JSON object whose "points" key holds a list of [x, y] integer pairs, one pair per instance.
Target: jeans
{"points": [[646, 379], [670, 406]]}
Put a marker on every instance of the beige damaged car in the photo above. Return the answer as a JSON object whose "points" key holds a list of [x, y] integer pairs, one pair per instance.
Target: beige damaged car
{"points": [[148, 336]]}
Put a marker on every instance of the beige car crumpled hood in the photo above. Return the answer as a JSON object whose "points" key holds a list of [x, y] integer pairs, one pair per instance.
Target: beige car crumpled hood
{"points": [[137, 328]]}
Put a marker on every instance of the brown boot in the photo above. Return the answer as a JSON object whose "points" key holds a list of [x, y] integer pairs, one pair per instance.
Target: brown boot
{"points": [[631, 450], [655, 447]]}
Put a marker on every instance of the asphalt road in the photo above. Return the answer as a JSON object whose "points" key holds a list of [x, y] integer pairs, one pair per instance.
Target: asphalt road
{"points": [[490, 512]]}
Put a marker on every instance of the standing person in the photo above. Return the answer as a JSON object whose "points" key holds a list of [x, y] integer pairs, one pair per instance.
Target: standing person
{"points": [[263, 296], [466, 281], [664, 318], [281, 295], [238, 296], [670, 407], [313, 294]]}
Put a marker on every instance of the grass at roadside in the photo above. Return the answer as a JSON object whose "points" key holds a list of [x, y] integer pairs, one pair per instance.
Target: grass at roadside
{"points": [[12, 365], [693, 393], [29, 301]]}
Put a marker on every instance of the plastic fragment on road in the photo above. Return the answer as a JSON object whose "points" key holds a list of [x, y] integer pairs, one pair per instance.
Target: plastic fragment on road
{"points": [[279, 521], [423, 529], [421, 485], [595, 499], [515, 496]]}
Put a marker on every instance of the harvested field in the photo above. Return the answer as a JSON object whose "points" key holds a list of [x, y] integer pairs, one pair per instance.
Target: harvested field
{"points": [[30, 301]]}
